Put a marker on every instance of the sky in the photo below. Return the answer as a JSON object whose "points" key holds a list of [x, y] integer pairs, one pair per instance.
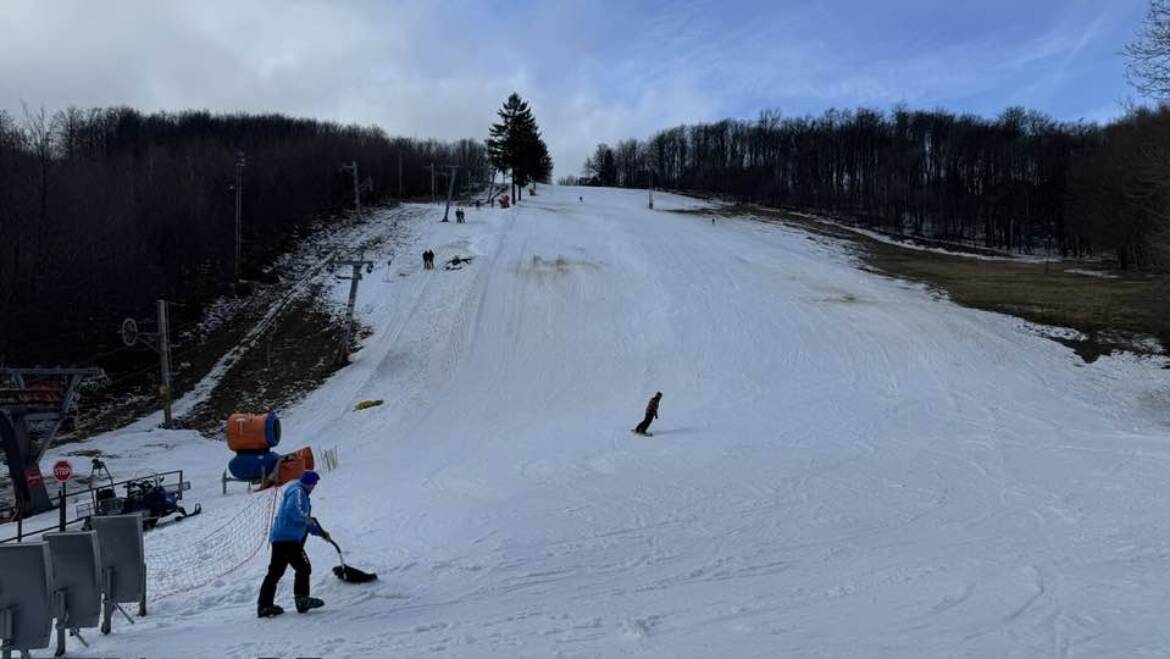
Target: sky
{"points": [[593, 71]]}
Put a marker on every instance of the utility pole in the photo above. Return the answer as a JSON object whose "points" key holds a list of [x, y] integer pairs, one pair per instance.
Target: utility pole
{"points": [[239, 188], [650, 188], [159, 341], [164, 360], [347, 333], [400, 174], [357, 198], [432, 168]]}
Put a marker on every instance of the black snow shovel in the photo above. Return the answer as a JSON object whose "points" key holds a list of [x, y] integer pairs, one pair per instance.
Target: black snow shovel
{"points": [[348, 573]]}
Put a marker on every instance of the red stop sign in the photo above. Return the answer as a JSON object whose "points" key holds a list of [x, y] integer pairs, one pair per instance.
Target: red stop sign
{"points": [[62, 470]]}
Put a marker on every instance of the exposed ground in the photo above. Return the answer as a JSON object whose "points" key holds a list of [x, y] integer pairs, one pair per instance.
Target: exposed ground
{"points": [[294, 357], [302, 334], [1110, 310]]}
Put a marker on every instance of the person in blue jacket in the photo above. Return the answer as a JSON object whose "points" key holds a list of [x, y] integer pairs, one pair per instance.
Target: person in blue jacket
{"points": [[290, 529]]}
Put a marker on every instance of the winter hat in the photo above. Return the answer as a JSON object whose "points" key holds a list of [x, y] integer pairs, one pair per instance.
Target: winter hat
{"points": [[310, 478]]}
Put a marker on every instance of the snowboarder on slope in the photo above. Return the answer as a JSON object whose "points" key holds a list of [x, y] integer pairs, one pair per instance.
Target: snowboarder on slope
{"points": [[290, 529], [651, 414]]}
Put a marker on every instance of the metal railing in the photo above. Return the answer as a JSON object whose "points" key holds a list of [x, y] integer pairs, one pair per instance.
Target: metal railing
{"points": [[84, 510]]}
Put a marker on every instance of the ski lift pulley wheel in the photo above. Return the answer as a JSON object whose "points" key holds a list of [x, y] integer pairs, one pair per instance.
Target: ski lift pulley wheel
{"points": [[129, 332]]}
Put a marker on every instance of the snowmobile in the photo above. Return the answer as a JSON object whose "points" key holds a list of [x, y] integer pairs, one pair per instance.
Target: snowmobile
{"points": [[148, 496]]}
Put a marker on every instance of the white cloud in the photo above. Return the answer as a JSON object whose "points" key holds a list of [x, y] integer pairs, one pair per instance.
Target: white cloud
{"points": [[593, 71]]}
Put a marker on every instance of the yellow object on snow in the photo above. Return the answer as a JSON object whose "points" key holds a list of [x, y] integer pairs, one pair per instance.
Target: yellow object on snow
{"points": [[367, 403]]}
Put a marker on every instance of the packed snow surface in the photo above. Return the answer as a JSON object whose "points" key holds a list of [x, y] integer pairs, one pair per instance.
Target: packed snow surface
{"points": [[845, 464]]}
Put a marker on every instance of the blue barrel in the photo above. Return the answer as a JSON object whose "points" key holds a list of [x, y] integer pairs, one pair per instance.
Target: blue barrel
{"points": [[248, 466]]}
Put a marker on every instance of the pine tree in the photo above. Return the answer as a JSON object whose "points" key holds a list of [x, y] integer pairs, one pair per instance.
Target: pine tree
{"points": [[498, 144], [543, 164], [515, 145]]}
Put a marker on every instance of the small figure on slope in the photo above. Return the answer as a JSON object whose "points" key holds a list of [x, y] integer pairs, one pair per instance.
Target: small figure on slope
{"points": [[651, 414], [290, 529]]}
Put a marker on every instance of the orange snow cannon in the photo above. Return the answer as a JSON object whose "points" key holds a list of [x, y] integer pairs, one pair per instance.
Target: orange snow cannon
{"points": [[290, 469], [294, 464], [253, 432], [306, 455]]}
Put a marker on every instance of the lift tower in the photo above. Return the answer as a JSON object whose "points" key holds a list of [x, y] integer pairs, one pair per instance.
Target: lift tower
{"points": [[33, 404]]}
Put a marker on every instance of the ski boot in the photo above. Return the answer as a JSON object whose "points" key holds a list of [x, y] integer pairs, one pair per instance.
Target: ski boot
{"points": [[269, 611], [305, 604]]}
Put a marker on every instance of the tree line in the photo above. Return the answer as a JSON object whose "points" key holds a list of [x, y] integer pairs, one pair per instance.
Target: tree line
{"points": [[1020, 181], [102, 211]]}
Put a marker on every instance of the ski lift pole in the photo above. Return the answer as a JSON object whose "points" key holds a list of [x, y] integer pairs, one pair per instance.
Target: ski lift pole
{"points": [[164, 354], [61, 508], [347, 331], [159, 341], [451, 174]]}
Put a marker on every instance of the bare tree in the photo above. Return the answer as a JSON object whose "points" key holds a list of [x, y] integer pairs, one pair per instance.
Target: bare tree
{"points": [[1148, 55], [40, 134], [103, 211]]}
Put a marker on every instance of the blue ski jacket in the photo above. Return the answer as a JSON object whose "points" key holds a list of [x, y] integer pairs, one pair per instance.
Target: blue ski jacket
{"points": [[293, 521]]}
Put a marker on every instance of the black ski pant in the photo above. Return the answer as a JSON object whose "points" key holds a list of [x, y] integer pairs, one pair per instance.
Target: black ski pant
{"points": [[645, 425], [285, 554]]}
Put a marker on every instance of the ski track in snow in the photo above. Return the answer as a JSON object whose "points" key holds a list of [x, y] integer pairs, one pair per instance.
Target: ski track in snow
{"points": [[845, 465]]}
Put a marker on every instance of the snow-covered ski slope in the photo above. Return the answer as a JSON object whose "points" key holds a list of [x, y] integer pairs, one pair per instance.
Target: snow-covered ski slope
{"points": [[845, 465]]}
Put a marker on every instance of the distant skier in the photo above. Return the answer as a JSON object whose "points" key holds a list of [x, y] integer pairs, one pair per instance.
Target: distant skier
{"points": [[290, 529], [651, 414], [428, 260]]}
